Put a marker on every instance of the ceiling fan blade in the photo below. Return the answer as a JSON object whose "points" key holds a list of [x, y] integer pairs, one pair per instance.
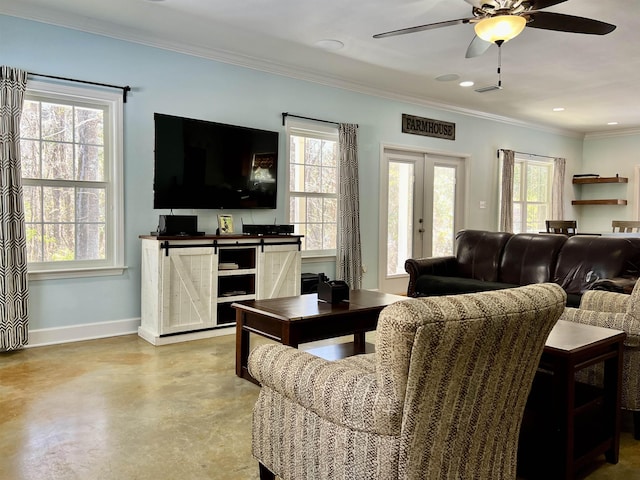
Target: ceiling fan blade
{"points": [[477, 47], [540, 4], [533, 4], [479, 3], [568, 23], [421, 28]]}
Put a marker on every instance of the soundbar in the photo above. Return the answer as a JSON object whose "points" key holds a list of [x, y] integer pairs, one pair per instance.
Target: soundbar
{"points": [[257, 229]]}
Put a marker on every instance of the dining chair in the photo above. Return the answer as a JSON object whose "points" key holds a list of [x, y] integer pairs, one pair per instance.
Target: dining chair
{"points": [[624, 226], [567, 227]]}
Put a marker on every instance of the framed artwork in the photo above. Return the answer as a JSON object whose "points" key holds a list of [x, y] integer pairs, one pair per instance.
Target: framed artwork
{"points": [[225, 224]]}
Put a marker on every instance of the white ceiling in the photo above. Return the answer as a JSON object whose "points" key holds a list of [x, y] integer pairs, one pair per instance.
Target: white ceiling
{"points": [[595, 78]]}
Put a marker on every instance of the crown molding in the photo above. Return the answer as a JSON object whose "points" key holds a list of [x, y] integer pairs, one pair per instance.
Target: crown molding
{"points": [[268, 66], [615, 133]]}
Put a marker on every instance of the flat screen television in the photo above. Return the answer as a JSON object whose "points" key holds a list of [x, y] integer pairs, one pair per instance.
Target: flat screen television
{"points": [[209, 165]]}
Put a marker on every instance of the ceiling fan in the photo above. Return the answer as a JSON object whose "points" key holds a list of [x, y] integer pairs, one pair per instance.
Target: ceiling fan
{"points": [[497, 21]]}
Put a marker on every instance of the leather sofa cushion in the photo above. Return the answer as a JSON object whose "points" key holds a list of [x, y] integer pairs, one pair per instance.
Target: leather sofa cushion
{"points": [[530, 258], [478, 253], [585, 259], [437, 285]]}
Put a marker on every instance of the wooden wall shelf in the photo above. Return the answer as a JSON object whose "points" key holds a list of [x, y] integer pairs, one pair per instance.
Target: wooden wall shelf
{"points": [[583, 180], [613, 201], [599, 180]]}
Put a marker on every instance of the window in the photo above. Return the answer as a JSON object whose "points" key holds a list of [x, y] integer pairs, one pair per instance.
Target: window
{"points": [[532, 180], [71, 152], [313, 187]]}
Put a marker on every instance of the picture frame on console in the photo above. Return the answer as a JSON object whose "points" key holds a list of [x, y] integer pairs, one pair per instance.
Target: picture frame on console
{"points": [[225, 224]]}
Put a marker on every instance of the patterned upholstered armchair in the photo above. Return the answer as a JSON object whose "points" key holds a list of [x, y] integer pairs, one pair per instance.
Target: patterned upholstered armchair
{"points": [[442, 397], [620, 312]]}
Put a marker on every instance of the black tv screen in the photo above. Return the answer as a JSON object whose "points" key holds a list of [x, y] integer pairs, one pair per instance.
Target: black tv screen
{"points": [[201, 164]]}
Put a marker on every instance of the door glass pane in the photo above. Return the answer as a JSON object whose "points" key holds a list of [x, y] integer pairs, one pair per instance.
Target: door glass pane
{"points": [[400, 221], [444, 206]]}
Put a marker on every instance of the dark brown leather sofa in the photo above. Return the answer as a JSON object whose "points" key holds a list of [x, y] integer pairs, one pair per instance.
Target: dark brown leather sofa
{"points": [[493, 260]]}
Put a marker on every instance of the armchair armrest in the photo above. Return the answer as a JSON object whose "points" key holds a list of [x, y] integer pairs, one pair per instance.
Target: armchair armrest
{"points": [[603, 301], [445, 266], [616, 321], [344, 395]]}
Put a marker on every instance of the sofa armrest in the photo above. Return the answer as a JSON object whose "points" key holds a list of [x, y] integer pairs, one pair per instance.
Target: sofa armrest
{"points": [[342, 394], [616, 321], [603, 301], [444, 266]]}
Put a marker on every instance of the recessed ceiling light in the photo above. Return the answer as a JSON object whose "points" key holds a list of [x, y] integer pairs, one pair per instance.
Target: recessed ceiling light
{"points": [[329, 44], [466, 83], [612, 123], [449, 77], [558, 109]]}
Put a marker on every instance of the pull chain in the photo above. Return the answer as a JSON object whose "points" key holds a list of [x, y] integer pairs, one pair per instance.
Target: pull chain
{"points": [[500, 65]]}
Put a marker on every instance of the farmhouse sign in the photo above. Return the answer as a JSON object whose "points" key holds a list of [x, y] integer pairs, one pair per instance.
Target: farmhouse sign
{"points": [[428, 127]]}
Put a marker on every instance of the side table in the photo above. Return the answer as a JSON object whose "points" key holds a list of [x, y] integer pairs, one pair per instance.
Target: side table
{"points": [[568, 423]]}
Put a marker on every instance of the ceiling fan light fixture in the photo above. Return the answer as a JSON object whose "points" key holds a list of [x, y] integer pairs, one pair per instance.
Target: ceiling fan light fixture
{"points": [[500, 28]]}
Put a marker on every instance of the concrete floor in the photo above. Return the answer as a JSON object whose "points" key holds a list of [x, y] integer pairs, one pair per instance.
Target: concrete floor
{"points": [[122, 409]]}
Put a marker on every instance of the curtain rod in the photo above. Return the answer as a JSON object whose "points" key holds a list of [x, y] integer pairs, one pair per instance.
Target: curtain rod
{"points": [[287, 114], [523, 153], [124, 89]]}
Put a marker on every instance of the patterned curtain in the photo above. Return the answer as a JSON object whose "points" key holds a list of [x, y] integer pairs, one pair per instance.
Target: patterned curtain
{"points": [[14, 332], [506, 196], [557, 190], [349, 258]]}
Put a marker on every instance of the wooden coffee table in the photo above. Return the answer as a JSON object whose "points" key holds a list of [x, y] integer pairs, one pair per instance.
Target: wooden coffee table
{"points": [[295, 320]]}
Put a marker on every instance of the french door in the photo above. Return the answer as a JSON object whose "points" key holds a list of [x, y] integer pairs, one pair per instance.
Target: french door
{"points": [[422, 208]]}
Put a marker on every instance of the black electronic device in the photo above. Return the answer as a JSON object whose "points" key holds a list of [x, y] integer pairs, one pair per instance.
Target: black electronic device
{"points": [[308, 283], [275, 229], [178, 225], [202, 164], [334, 291]]}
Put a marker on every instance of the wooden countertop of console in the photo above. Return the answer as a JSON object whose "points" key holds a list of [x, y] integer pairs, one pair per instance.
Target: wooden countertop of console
{"points": [[214, 237]]}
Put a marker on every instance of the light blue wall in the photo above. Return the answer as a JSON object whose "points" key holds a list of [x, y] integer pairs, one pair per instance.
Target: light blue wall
{"points": [[173, 83], [608, 156]]}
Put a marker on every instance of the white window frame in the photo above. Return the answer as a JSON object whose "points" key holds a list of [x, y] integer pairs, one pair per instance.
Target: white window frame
{"points": [[524, 161], [313, 130], [112, 102]]}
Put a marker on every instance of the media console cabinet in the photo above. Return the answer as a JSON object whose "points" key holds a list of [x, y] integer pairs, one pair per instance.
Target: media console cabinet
{"points": [[189, 283]]}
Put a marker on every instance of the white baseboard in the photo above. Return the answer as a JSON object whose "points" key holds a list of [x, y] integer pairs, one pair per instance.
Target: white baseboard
{"points": [[77, 333], [157, 340]]}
